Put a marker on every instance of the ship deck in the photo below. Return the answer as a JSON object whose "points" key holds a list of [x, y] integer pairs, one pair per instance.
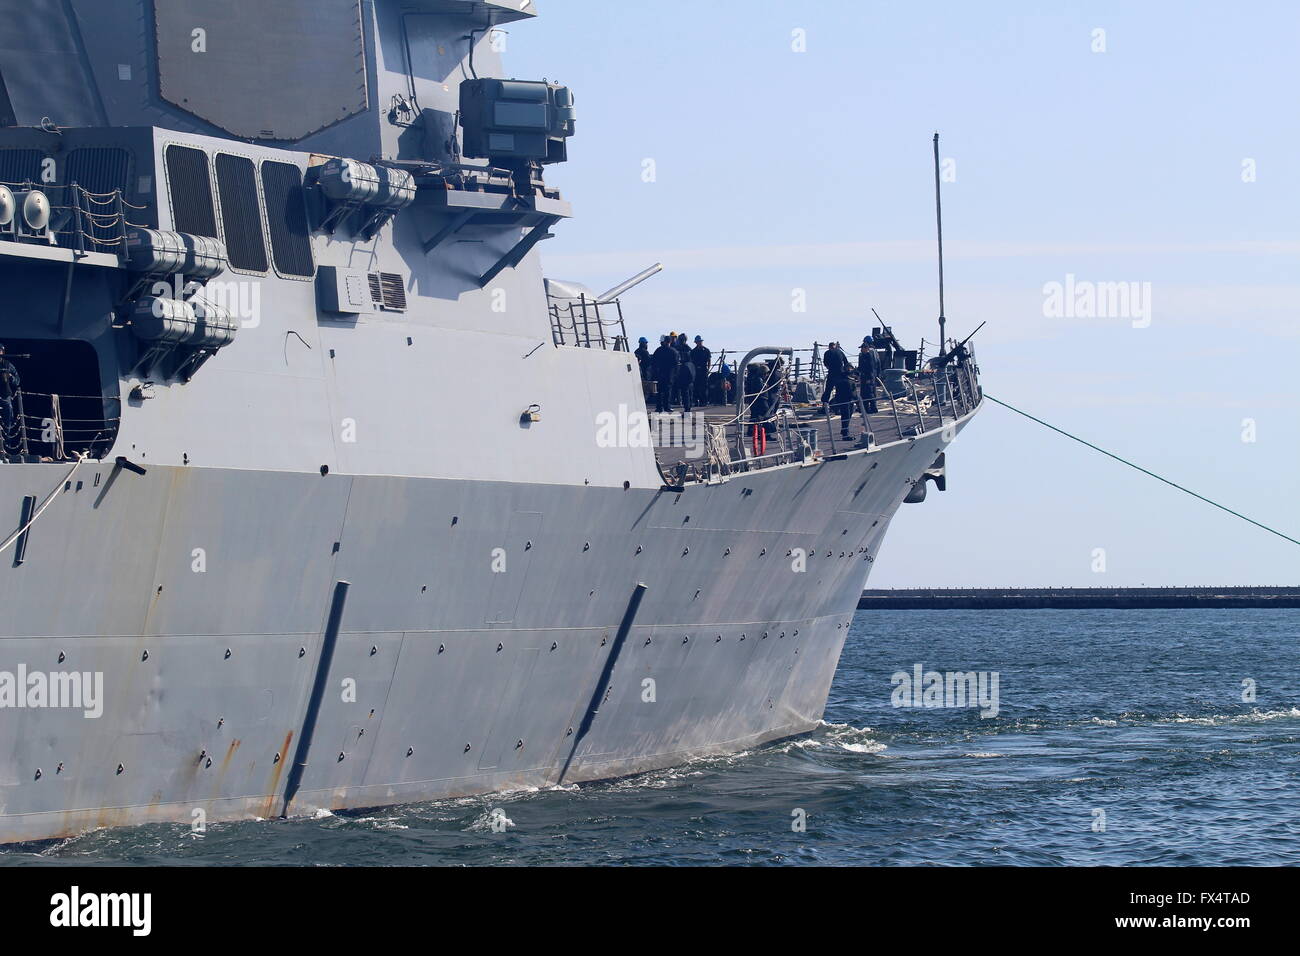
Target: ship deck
{"points": [[806, 429]]}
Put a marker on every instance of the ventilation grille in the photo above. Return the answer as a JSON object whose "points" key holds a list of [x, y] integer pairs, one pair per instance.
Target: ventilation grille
{"points": [[20, 165], [241, 215], [191, 192], [387, 291], [286, 215], [99, 169]]}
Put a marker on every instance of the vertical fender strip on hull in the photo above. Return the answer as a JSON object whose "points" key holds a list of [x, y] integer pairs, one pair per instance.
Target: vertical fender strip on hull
{"points": [[309, 718], [593, 706]]}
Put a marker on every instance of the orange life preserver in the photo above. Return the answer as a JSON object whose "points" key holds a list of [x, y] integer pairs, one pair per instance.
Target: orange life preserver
{"points": [[760, 440]]}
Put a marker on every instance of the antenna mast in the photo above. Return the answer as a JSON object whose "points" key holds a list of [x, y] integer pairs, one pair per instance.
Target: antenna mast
{"points": [[938, 217]]}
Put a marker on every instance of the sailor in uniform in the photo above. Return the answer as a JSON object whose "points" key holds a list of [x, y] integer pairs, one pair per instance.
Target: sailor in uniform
{"points": [[839, 388], [868, 372], [642, 354], [701, 358], [665, 361], [686, 383]]}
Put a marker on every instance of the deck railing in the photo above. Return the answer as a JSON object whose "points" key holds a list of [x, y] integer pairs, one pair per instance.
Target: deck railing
{"points": [[42, 426], [80, 219], [579, 323]]}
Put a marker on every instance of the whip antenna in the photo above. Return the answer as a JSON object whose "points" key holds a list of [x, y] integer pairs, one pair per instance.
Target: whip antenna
{"points": [[938, 217]]}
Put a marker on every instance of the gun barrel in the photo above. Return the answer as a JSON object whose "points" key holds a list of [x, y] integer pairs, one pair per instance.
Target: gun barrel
{"points": [[972, 335], [612, 294]]}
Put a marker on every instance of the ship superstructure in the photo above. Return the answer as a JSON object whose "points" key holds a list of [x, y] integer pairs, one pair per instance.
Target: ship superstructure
{"points": [[261, 496]]}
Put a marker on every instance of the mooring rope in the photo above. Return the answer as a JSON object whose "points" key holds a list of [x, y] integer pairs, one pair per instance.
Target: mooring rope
{"points": [[1172, 484], [40, 509]]}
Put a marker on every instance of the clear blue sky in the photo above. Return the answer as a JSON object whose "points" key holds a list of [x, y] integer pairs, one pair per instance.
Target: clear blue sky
{"points": [[779, 170]]}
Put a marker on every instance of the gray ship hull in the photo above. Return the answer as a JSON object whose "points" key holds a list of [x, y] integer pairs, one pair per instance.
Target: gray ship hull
{"points": [[479, 642], [374, 521]]}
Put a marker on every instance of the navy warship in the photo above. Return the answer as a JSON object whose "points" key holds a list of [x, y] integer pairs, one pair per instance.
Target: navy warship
{"points": [[264, 550]]}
